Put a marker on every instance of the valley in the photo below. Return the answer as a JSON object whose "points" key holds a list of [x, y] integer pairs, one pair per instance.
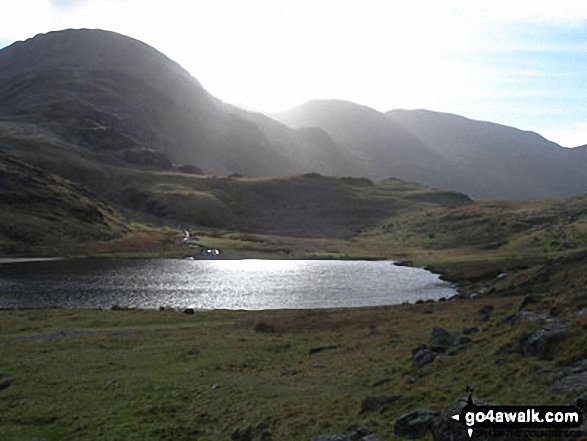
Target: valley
{"points": [[101, 158]]}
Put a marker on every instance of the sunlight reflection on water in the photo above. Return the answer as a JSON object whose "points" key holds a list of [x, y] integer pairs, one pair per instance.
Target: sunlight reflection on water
{"points": [[214, 284]]}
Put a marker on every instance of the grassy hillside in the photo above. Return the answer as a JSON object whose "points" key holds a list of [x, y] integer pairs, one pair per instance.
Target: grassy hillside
{"points": [[42, 212], [310, 205], [250, 375]]}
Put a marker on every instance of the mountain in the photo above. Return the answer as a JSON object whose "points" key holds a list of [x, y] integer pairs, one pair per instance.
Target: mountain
{"points": [[76, 102], [373, 145], [510, 161], [481, 159], [127, 103]]}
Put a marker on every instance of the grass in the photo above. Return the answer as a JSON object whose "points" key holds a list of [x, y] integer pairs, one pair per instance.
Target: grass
{"points": [[158, 383], [149, 374]]}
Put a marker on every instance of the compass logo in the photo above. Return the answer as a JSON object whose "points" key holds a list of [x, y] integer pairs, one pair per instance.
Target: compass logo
{"points": [[513, 418]]}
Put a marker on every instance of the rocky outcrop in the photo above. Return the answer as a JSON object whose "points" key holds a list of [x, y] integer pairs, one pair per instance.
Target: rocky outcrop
{"points": [[441, 339], [415, 424], [421, 355], [545, 342]]}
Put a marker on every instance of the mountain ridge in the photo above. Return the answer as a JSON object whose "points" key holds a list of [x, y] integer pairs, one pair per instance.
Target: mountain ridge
{"points": [[115, 99]]}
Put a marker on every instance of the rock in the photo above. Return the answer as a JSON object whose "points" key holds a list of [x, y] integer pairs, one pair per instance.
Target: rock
{"points": [[441, 339], [317, 349], [469, 331], [569, 378], [373, 404], [404, 262], [215, 386], [189, 311], [524, 316], [545, 343], [445, 428], [372, 331], [530, 299], [415, 424], [485, 313], [464, 340], [5, 382], [421, 355]]}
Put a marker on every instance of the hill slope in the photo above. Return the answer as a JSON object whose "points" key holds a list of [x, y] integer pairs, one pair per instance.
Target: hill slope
{"points": [[517, 163], [114, 100], [481, 159], [126, 102], [41, 211]]}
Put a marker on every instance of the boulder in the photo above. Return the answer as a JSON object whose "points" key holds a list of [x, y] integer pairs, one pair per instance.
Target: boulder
{"points": [[570, 378], [415, 424], [372, 331], [5, 382], [445, 428], [421, 355], [189, 311], [441, 339], [546, 342]]}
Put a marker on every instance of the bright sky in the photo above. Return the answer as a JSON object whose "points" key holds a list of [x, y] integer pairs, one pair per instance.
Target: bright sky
{"points": [[516, 62]]}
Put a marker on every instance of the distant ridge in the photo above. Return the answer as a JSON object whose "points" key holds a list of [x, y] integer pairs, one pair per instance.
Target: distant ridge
{"points": [[482, 159], [112, 99]]}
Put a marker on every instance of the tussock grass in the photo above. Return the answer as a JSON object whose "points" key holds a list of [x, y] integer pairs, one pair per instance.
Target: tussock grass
{"points": [[157, 382]]}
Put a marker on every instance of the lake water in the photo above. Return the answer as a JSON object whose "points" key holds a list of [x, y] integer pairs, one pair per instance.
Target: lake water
{"points": [[213, 284]]}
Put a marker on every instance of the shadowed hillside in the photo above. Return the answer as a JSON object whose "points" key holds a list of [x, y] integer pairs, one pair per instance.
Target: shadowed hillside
{"points": [[116, 100], [482, 159], [42, 210], [124, 101]]}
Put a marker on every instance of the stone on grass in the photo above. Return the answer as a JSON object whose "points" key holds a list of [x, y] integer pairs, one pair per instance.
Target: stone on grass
{"points": [[441, 339], [421, 355], [545, 343], [415, 424], [5, 382]]}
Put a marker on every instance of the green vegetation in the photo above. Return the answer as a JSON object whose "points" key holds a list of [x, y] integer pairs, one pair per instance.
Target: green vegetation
{"points": [[157, 381], [99, 160]]}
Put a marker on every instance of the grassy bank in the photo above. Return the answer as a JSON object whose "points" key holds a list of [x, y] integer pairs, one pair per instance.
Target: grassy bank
{"points": [[250, 375]]}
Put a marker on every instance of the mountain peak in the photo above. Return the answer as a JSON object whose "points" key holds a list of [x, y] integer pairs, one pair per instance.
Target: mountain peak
{"points": [[91, 49]]}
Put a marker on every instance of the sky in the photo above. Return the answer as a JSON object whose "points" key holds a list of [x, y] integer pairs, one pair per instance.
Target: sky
{"points": [[516, 62]]}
